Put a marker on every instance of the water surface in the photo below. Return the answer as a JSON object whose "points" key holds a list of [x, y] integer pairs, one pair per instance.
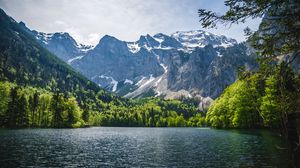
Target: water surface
{"points": [[140, 147]]}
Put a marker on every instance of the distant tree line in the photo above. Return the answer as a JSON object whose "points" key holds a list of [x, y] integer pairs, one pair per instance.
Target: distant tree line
{"points": [[32, 107], [24, 106]]}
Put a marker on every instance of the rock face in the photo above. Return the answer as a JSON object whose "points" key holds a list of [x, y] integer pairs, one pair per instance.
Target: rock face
{"points": [[191, 63]]}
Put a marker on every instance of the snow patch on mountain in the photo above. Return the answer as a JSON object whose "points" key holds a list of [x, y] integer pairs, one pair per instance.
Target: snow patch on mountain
{"points": [[219, 54], [149, 48], [128, 81], [160, 40], [114, 83], [149, 80], [75, 58], [140, 81], [133, 47], [85, 48], [44, 37]]}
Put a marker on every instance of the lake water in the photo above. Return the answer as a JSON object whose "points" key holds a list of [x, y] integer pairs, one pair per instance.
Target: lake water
{"points": [[140, 147]]}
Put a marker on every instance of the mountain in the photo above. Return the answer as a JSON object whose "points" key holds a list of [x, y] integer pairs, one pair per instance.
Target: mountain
{"points": [[185, 63], [60, 43], [25, 62], [37, 89], [200, 38]]}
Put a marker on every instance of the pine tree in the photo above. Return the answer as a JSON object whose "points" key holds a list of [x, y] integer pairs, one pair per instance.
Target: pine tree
{"points": [[12, 108]]}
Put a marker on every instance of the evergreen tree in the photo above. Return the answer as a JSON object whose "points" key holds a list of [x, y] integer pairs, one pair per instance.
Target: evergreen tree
{"points": [[57, 109], [12, 108], [4, 100]]}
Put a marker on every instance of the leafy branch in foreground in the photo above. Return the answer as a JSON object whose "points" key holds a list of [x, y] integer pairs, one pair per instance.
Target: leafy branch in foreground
{"points": [[278, 32]]}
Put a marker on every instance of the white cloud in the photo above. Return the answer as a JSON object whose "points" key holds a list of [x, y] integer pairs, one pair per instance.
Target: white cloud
{"points": [[93, 38], [60, 23], [87, 21]]}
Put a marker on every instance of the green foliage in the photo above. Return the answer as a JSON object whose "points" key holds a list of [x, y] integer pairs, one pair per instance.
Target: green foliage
{"points": [[257, 101], [270, 106], [33, 107], [278, 32], [25, 62], [149, 112], [277, 43], [4, 100]]}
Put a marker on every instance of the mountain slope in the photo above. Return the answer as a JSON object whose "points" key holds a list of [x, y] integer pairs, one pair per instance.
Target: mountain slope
{"points": [[26, 62], [186, 63], [60, 44], [164, 66], [205, 72]]}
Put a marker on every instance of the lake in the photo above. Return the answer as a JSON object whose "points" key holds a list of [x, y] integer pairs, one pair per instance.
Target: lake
{"points": [[140, 147]]}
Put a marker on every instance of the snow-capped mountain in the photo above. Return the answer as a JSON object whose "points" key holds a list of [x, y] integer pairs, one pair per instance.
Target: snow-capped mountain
{"points": [[185, 63], [61, 44], [169, 66], [200, 38]]}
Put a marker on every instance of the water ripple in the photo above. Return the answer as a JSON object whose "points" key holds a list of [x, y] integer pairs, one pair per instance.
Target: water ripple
{"points": [[140, 147]]}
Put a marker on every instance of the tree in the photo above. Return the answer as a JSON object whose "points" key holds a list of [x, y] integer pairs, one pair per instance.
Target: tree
{"points": [[33, 104], [17, 108], [4, 100], [86, 115], [152, 120], [12, 108], [278, 44], [22, 111], [270, 106], [44, 108], [71, 115], [278, 33], [57, 108]]}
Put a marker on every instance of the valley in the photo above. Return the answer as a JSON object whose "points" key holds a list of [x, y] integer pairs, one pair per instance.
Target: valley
{"points": [[118, 83]]}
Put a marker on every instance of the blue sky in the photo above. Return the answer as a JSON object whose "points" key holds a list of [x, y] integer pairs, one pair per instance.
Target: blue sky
{"points": [[87, 21]]}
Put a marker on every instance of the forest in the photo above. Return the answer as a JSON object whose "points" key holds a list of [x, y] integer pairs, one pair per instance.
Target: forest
{"points": [[267, 96], [26, 106], [257, 101]]}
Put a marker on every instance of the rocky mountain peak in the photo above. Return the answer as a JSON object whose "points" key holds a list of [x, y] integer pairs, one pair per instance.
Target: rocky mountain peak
{"points": [[147, 42], [186, 63]]}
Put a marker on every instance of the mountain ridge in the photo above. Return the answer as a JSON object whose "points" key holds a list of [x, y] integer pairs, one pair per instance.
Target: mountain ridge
{"points": [[25, 62], [160, 65]]}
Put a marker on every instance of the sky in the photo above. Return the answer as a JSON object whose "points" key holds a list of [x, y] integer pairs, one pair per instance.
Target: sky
{"points": [[89, 20]]}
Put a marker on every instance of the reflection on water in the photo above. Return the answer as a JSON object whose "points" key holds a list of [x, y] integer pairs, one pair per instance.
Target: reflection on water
{"points": [[140, 147]]}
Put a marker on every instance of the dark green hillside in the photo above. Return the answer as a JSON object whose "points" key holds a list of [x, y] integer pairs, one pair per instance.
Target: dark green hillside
{"points": [[25, 63]]}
